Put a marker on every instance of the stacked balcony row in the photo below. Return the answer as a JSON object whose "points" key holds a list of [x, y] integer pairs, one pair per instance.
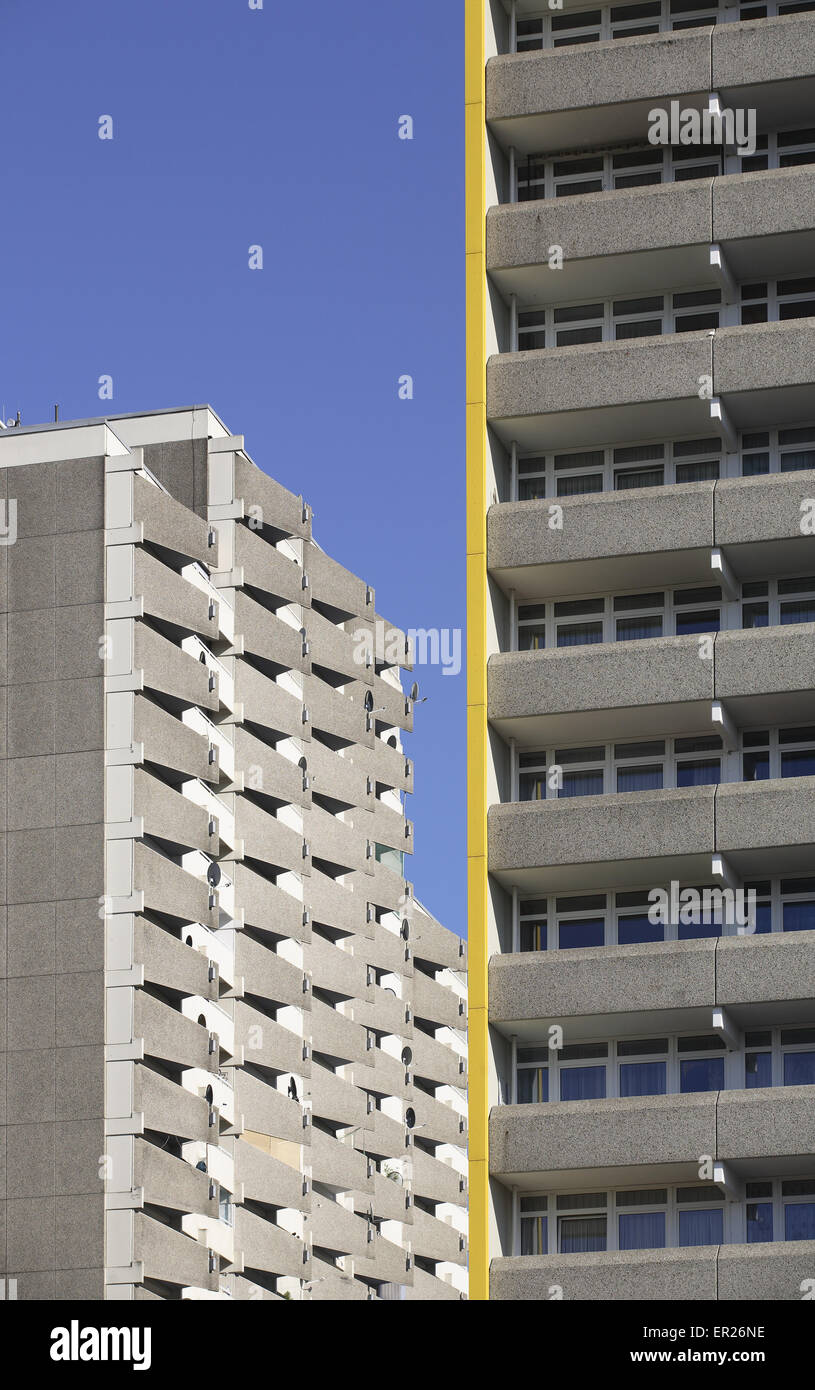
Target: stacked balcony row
{"points": [[318, 916]]}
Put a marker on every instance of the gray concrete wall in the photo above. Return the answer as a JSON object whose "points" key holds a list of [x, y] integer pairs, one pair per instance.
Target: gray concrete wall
{"points": [[52, 955]]}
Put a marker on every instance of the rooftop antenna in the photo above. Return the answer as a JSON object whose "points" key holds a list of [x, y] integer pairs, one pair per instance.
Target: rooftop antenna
{"points": [[56, 414]]}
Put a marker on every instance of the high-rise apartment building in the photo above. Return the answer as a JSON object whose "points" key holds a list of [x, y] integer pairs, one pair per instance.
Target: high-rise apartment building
{"points": [[234, 1047], [641, 508]]}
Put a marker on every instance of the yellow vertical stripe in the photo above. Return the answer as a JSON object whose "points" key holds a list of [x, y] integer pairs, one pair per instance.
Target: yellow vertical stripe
{"points": [[475, 246]]}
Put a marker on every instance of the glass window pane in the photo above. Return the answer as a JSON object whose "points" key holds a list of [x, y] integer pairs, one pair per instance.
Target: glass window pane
{"points": [[687, 623], [702, 772], [701, 1227], [580, 484], [581, 1234], [800, 612], [756, 767], [533, 1235], [635, 930], [799, 1069], [799, 916], [583, 1083], [642, 1079], [701, 1074], [533, 936], [639, 779], [799, 1221], [581, 784], [759, 1222], [637, 629], [533, 1085], [642, 1230], [579, 634], [758, 1070], [581, 933], [798, 764]]}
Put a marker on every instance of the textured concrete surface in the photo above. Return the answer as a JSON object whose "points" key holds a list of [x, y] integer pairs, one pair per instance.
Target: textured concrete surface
{"points": [[582, 830], [603, 374], [599, 74]]}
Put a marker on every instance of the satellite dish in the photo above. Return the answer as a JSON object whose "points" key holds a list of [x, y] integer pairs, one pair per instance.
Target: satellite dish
{"points": [[407, 1056], [414, 691], [405, 932], [369, 701], [214, 875], [410, 1117], [303, 765]]}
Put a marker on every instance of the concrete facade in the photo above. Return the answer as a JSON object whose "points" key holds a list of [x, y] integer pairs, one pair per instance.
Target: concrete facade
{"points": [[234, 1057], [641, 597]]}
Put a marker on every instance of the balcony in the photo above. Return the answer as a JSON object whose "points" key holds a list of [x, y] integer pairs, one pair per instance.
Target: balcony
{"points": [[636, 990], [171, 1257], [615, 392], [643, 240], [335, 1228], [335, 1099], [269, 975], [169, 743], [265, 1110], [433, 1001], [619, 690], [169, 525], [266, 1179], [170, 1182], [751, 1273], [539, 101], [650, 1139], [632, 838], [168, 1108], [268, 1247], [660, 536]]}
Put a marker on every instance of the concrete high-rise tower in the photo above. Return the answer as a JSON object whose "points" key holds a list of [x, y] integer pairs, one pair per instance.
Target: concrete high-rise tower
{"points": [[233, 1043], [641, 574]]}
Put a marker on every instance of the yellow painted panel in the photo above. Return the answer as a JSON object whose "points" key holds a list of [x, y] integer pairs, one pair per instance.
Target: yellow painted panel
{"points": [[475, 261]]}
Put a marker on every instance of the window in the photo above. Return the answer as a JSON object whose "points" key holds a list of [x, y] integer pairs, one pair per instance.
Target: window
{"points": [[575, 920], [533, 1226], [759, 1214], [647, 1076], [666, 1217], [533, 924], [558, 30], [798, 904], [798, 1056], [581, 1233], [642, 1229], [701, 1067], [619, 617], [620, 767], [778, 451], [569, 325], [778, 753], [699, 1222], [571, 633], [533, 1075], [635, 166], [531, 627], [568, 474], [778, 300], [658, 1066], [799, 1214]]}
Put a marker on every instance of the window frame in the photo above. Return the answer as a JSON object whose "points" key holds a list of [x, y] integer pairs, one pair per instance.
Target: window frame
{"points": [[605, 905]]}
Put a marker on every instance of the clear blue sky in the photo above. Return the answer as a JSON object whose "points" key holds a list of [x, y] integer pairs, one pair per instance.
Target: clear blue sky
{"points": [[128, 257]]}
